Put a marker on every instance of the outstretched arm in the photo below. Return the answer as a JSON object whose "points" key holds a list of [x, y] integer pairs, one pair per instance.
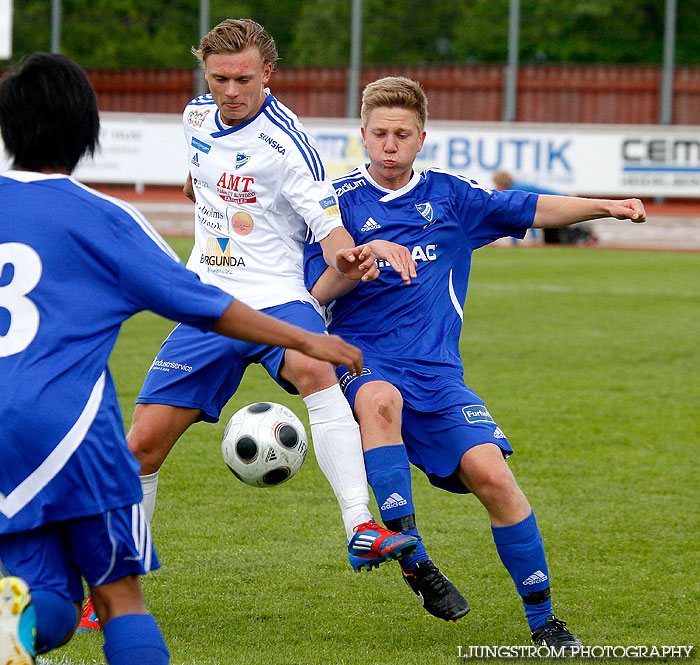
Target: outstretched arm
{"points": [[555, 211], [243, 322]]}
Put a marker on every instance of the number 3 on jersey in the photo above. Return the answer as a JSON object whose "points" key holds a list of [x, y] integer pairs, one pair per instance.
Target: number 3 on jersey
{"points": [[24, 315]]}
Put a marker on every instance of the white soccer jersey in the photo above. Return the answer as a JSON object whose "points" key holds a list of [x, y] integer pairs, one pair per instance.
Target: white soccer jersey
{"points": [[258, 186]]}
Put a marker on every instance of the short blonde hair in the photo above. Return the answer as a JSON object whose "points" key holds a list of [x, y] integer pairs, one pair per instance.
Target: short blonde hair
{"points": [[236, 35], [395, 91]]}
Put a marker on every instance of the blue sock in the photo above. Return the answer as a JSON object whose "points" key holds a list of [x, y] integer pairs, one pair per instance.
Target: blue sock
{"points": [[522, 553], [389, 475], [134, 639], [55, 619]]}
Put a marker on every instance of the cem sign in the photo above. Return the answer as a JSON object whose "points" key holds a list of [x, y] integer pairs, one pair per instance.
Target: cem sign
{"points": [[670, 162]]}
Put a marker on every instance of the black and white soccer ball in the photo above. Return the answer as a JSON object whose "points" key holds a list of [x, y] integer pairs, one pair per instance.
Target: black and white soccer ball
{"points": [[264, 444]]}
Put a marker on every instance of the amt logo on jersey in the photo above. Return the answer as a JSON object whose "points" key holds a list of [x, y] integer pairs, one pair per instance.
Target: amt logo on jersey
{"points": [[236, 188]]}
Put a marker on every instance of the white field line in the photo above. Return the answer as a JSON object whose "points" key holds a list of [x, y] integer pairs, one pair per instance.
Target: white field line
{"points": [[558, 288]]}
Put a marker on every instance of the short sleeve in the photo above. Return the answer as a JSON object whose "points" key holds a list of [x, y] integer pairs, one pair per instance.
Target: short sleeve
{"points": [[489, 215], [312, 199], [314, 263]]}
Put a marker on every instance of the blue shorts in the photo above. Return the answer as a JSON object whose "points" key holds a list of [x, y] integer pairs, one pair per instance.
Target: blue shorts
{"points": [[101, 548], [442, 418], [202, 370]]}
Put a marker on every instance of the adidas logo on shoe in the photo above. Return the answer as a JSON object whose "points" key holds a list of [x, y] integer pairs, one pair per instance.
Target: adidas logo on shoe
{"points": [[536, 577], [394, 501], [371, 225]]}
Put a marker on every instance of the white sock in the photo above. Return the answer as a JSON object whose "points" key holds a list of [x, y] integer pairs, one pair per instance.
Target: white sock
{"points": [[338, 448], [149, 485]]}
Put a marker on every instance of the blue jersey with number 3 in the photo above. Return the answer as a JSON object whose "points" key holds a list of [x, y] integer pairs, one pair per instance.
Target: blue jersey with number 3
{"points": [[74, 264], [441, 218]]}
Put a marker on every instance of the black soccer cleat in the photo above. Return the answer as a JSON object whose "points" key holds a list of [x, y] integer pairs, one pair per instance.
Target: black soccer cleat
{"points": [[435, 592], [554, 633]]}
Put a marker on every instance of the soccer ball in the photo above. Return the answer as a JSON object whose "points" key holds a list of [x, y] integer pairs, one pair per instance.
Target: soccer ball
{"points": [[264, 444]]}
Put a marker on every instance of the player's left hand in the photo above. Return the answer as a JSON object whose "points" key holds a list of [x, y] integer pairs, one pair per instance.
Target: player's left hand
{"points": [[397, 256], [632, 209]]}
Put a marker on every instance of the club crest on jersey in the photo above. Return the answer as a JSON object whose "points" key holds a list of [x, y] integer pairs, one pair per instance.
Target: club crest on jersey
{"points": [[197, 118], [477, 413], [217, 256], [236, 188], [200, 145], [241, 159], [426, 210], [330, 206]]}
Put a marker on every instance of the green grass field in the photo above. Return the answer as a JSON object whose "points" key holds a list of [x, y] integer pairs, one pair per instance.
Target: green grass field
{"points": [[588, 359]]}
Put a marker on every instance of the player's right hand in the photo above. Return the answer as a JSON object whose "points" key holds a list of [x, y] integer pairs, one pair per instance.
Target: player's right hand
{"points": [[335, 350]]}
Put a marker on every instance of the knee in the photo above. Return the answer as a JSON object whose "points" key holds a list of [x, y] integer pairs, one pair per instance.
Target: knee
{"points": [[490, 484], [308, 375], [386, 403], [379, 404], [145, 442]]}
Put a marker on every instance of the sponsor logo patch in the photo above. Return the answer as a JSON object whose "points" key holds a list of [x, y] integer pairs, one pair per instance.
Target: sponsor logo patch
{"points": [[477, 413], [218, 257], [195, 159], [197, 118], [330, 206], [536, 578], [371, 225], [498, 433], [210, 218], [272, 143], [242, 223], [348, 378], [236, 188], [418, 253], [394, 500], [200, 145], [167, 365]]}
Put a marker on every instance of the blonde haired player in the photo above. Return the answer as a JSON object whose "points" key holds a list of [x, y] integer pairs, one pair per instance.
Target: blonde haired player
{"points": [[259, 187]]}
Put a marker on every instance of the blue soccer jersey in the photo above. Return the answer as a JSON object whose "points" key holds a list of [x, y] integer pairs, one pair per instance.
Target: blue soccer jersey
{"points": [[74, 264], [441, 218]]}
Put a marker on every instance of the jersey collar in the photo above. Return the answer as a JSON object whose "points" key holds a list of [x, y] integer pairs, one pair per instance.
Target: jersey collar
{"points": [[32, 176], [391, 194], [225, 129]]}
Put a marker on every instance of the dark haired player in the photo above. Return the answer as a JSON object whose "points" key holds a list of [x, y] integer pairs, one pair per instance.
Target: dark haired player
{"points": [[74, 264]]}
